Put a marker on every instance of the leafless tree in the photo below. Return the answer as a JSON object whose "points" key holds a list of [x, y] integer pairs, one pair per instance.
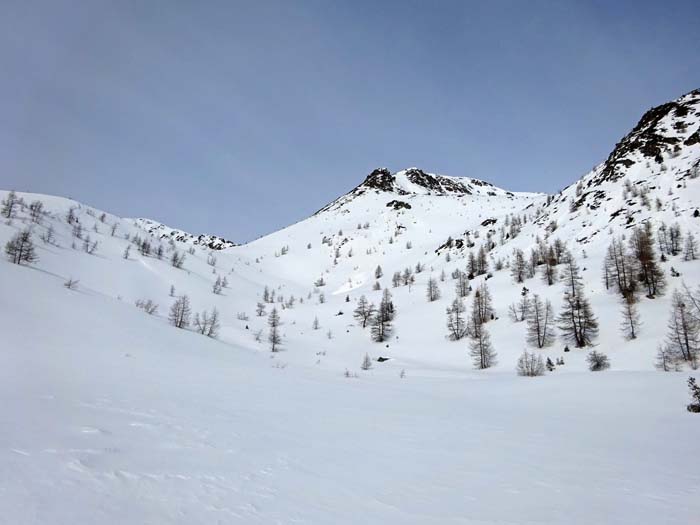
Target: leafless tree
{"points": [[177, 259], [518, 267], [217, 286], [540, 323], [630, 317], [180, 312], [207, 323], [9, 205], [481, 350], [274, 337], [683, 331], [20, 248], [461, 283], [364, 311], [530, 365], [36, 211], [381, 326], [48, 236], [576, 321], [147, 305], [482, 304], [432, 290], [690, 253], [649, 272], [519, 311], [456, 322]]}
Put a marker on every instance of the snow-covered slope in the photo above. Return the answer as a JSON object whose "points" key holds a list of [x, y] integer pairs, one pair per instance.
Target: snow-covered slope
{"points": [[110, 416], [107, 402]]}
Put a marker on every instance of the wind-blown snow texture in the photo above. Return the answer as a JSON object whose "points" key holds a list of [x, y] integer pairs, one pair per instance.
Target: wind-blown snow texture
{"points": [[113, 416]]}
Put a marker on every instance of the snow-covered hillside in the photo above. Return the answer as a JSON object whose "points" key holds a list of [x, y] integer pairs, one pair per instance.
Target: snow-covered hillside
{"points": [[165, 233], [115, 415]]}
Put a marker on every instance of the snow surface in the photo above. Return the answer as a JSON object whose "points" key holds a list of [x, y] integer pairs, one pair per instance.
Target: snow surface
{"points": [[113, 416]]}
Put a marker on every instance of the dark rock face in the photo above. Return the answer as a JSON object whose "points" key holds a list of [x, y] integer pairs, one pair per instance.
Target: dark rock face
{"points": [[594, 196], [649, 138], [457, 244], [398, 205], [210, 241], [213, 242], [380, 179], [693, 139], [439, 185]]}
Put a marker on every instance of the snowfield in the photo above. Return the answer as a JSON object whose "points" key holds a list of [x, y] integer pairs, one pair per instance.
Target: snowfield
{"points": [[114, 416], [111, 416]]}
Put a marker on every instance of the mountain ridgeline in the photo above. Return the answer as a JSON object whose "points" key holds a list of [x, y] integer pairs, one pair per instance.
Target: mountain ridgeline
{"points": [[409, 263]]}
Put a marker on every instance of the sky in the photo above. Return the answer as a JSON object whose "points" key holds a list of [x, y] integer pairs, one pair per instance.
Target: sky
{"points": [[239, 118]]}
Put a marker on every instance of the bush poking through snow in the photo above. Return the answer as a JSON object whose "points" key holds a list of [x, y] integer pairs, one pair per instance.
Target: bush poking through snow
{"points": [[71, 284], [550, 365], [694, 405], [177, 259], [597, 361], [208, 323], [366, 363], [147, 306], [530, 365]]}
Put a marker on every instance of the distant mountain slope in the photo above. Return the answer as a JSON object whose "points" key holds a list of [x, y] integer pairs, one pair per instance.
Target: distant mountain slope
{"points": [[409, 222], [165, 232], [407, 219]]}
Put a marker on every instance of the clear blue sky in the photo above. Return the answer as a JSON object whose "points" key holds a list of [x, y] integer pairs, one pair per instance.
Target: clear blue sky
{"points": [[237, 118]]}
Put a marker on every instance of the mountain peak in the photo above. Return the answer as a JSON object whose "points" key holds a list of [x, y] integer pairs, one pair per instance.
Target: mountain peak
{"points": [[660, 133], [414, 180]]}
